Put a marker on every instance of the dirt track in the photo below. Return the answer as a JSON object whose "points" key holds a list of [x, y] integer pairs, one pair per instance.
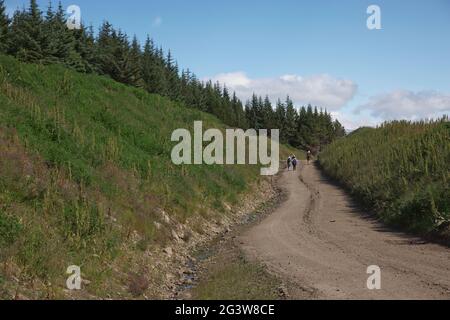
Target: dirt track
{"points": [[320, 244]]}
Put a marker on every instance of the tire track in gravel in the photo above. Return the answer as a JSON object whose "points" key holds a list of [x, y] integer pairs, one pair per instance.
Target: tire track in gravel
{"points": [[320, 243]]}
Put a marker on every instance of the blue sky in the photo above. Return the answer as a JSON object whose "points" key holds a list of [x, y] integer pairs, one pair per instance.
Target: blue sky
{"points": [[319, 52]]}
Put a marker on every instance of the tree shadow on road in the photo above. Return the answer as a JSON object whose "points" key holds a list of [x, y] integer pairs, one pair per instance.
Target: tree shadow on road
{"points": [[363, 211]]}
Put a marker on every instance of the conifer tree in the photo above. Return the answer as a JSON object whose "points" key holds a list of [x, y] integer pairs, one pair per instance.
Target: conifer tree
{"points": [[121, 56], [85, 46], [291, 122], [4, 28], [339, 130], [268, 114], [105, 49], [148, 65], [199, 94], [228, 116], [238, 111], [153, 70], [187, 88], [135, 62], [280, 120], [214, 96], [60, 42], [27, 36], [302, 128], [172, 77], [253, 113]]}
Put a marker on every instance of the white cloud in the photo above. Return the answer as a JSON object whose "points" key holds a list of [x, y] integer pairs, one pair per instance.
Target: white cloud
{"points": [[409, 105], [157, 22], [320, 90], [352, 122]]}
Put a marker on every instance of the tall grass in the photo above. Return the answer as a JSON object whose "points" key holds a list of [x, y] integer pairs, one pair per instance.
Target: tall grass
{"points": [[401, 169]]}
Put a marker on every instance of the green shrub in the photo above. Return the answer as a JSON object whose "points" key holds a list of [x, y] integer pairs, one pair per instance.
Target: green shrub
{"points": [[401, 169], [10, 229]]}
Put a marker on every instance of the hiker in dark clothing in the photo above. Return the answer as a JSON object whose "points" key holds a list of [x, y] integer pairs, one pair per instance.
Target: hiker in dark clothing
{"points": [[308, 156], [294, 163]]}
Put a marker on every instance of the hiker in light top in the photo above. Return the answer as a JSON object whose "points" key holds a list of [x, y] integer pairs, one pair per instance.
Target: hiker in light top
{"points": [[289, 162]]}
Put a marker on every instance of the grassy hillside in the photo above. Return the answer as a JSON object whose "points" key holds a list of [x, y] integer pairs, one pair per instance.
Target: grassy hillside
{"points": [[86, 178], [401, 169]]}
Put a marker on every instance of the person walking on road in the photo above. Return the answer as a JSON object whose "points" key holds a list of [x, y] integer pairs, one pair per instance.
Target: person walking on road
{"points": [[289, 163], [294, 163], [308, 156]]}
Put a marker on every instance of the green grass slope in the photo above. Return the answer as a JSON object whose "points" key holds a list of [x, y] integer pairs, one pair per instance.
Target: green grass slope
{"points": [[86, 177], [401, 169]]}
